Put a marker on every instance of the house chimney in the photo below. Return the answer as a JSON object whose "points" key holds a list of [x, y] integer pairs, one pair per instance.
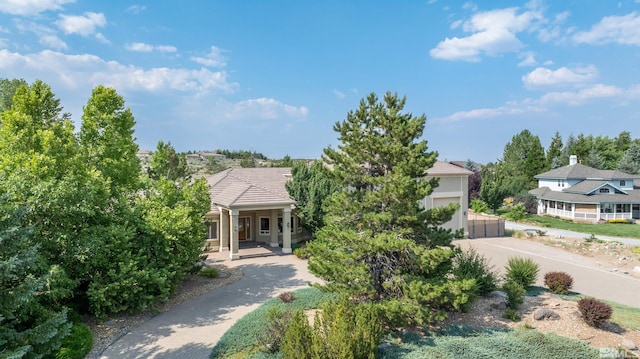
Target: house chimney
{"points": [[573, 159]]}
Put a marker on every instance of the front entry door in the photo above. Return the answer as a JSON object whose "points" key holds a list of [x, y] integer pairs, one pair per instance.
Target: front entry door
{"points": [[244, 228]]}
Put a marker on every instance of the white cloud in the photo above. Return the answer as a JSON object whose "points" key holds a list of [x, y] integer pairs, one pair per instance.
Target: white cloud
{"points": [[213, 59], [528, 59], [551, 99], [52, 42], [617, 29], [82, 24], [78, 71], [4, 30], [339, 95], [136, 9], [142, 47], [545, 77], [265, 109], [31, 7], [492, 33]]}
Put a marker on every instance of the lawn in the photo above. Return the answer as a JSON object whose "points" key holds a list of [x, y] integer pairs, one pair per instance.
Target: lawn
{"points": [[240, 341], [603, 229]]}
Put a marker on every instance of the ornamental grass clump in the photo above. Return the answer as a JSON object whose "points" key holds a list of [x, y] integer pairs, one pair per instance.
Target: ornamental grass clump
{"points": [[594, 312], [522, 270], [558, 282]]}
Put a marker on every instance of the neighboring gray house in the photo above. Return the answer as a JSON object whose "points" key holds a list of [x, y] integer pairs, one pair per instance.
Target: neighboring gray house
{"points": [[252, 204], [585, 194]]}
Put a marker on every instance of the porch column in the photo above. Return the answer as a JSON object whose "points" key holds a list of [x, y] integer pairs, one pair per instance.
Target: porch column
{"points": [[273, 228], [286, 230], [224, 230], [234, 234]]}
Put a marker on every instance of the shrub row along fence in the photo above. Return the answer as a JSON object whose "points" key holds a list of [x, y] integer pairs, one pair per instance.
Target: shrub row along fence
{"points": [[483, 227]]}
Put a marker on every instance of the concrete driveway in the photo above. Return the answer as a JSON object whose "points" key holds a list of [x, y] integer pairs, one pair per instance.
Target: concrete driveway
{"points": [[191, 329], [588, 277]]}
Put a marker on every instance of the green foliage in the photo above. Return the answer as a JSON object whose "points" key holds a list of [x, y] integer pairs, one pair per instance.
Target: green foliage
{"points": [[522, 159], [516, 212], [341, 329], [209, 273], [594, 312], [242, 154], [630, 161], [397, 253], [558, 282], [469, 264], [475, 343], [286, 161], [238, 339], [7, 91], [309, 187], [554, 153], [301, 252], [167, 163], [515, 293], [493, 190], [479, 206], [605, 229], [77, 344], [248, 163], [512, 314], [277, 322], [31, 324], [214, 166], [523, 271], [593, 239]]}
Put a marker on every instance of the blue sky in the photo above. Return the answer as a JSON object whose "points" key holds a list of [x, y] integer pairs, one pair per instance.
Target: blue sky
{"points": [[274, 76]]}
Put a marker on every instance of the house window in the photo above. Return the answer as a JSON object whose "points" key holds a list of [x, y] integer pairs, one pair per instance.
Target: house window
{"points": [[622, 183], [213, 230], [604, 190], [280, 225], [607, 207], [623, 208], [264, 225], [560, 183]]}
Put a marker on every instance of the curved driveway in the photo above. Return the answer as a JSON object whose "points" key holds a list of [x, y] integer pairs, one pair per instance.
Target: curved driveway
{"points": [[191, 329]]}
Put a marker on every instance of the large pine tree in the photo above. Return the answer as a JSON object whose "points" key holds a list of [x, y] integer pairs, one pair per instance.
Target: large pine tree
{"points": [[378, 243]]}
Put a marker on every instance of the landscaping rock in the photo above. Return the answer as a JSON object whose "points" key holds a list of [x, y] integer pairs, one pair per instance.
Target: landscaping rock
{"points": [[629, 344], [498, 300], [545, 314], [636, 269]]}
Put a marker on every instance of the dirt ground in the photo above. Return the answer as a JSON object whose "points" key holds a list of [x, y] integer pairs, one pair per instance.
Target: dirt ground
{"points": [[611, 256]]}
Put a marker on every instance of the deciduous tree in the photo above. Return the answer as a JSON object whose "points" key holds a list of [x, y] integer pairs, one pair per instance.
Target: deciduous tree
{"points": [[167, 163]]}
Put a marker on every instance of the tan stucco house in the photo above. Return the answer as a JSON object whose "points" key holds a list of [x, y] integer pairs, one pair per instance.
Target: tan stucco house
{"points": [[253, 205], [585, 194]]}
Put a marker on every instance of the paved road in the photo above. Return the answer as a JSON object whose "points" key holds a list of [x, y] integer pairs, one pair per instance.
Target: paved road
{"points": [[588, 277], [565, 233], [191, 329]]}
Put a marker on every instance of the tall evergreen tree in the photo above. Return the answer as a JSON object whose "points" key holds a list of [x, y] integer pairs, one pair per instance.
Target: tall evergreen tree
{"points": [[523, 158], [554, 153], [378, 243], [630, 161], [30, 327]]}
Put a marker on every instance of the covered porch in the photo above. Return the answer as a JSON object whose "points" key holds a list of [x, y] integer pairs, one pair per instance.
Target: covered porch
{"points": [[586, 212]]}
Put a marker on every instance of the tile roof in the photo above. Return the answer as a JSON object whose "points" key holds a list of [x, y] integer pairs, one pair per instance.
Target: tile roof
{"points": [[249, 187], [547, 193], [444, 168]]}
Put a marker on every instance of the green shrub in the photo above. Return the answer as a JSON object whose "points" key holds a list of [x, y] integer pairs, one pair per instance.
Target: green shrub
{"points": [[516, 212], [479, 206], [512, 314], [341, 329], [301, 253], [515, 293], [558, 282], [287, 297], [469, 264], [271, 338], [76, 345], [522, 270], [636, 250], [209, 273], [594, 312]]}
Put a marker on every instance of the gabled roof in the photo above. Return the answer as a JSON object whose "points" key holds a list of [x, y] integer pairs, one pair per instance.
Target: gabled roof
{"points": [[447, 169], [589, 186], [579, 171], [247, 187], [548, 194]]}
